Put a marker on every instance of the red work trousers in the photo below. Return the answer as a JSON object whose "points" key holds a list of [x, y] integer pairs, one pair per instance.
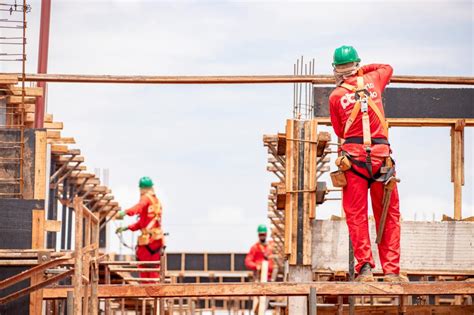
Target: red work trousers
{"points": [[150, 252], [355, 205]]}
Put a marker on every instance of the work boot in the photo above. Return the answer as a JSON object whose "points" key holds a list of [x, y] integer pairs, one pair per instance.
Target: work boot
{"points": [[394, 278], [365, 274]]}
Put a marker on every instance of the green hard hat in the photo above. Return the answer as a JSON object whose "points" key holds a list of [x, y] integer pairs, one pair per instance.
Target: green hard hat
{"points": [[345, 54], [262, 228], [145, 182]]}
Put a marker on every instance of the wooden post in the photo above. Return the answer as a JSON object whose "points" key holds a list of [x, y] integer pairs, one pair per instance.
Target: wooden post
{"points": [[77, 280], [300, 182], [70, 303], [457, 165], [107, 281], [37, 242], [262, 301], [95, 267]]}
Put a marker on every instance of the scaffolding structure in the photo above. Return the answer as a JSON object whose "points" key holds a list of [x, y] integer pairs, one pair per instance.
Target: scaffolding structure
{"points": [[12, 106], [75, 275]]}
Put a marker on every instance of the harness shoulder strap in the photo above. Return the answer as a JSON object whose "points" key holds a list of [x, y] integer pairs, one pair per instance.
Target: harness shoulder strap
{"points": [[365, 117], [380, 116], [348, 87]]}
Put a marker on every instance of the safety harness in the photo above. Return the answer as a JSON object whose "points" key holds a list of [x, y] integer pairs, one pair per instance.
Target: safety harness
{"points": [[150, 232], [362, 104]]}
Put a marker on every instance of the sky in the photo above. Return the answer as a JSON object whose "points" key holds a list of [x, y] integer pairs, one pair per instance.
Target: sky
{"points": [[202, 145]]}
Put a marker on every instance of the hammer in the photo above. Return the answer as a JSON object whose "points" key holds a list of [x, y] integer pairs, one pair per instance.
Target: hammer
{"points": [[389, 185]]}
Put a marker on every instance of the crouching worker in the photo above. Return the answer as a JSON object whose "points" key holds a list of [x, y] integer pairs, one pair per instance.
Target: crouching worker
{"points": [[151, 241]]}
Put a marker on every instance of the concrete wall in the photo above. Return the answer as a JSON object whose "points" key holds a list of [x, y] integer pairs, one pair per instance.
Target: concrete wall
{"points": [[430, 246]]}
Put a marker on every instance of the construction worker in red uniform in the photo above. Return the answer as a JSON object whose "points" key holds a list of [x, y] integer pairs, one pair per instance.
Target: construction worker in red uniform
{"points": [[260, 251], [357, 116], [151, 241]]}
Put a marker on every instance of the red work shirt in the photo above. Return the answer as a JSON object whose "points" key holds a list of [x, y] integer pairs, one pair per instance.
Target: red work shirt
{"points": [[342, 101], [145, 213], [257, 254]]}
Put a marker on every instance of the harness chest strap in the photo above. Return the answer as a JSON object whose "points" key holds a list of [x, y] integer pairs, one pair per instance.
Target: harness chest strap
{"points": [[357, 108]]}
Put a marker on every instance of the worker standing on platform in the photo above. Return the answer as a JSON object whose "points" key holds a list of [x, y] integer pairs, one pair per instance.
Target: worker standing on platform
{"points": [[260, 251], [151, 241], [357, 116]]}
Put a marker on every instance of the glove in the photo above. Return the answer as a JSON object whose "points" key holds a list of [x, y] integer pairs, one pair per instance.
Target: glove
{"points": [[121, 229], [120, 215]]}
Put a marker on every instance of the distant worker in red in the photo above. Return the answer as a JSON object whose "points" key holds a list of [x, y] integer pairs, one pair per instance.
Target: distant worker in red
{"points": [[357, 115], [260, 251], [151, 241]]}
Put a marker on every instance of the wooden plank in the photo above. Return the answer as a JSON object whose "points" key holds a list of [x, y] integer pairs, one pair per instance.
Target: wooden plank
{"points": [[229, 79], [30, 108], [293, 194], [68, 140], [52, 226], [29, 91], [53, 125], [274, 289], [281, 145], [323, 139], [306, 232], [7, 79], [78, 233], [457, 164], [40, 165], [288, 183], [59, 148], [37, 241], [19, 99], [393, 309], [53, 134], [312, 162]]}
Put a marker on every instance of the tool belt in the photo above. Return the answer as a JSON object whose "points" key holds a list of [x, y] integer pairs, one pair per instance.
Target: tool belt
{"points": [[345, 162], [149, 235]]}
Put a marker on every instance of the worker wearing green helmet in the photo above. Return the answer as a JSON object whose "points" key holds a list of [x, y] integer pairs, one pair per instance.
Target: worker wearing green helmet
{"points": [[151, 242], [357, 116], [262, 250]]}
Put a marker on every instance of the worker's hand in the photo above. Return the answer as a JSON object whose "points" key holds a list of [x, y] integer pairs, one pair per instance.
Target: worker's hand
{"points": [[259, 267], [121, 229], [120, 215]]}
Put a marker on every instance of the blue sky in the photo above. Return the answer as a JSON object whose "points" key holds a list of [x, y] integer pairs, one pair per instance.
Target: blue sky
{"points": [[203, 144]]}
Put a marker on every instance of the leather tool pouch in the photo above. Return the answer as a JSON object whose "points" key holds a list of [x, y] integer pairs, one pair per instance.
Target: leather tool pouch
{"points": [[343, 163], [338, 178]]}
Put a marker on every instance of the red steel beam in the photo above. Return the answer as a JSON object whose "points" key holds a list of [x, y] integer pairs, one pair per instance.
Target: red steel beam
{"points": [[43, 59]]}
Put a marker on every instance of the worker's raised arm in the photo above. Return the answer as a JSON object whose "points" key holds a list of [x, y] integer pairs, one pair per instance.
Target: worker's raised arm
{"points": [[384, 71], [138, 207], [335, 116]]}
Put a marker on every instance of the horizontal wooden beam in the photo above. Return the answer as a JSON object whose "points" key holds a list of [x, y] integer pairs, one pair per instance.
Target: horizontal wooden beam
{"points": [[272, 289], [394, 309], [230, 79]]}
